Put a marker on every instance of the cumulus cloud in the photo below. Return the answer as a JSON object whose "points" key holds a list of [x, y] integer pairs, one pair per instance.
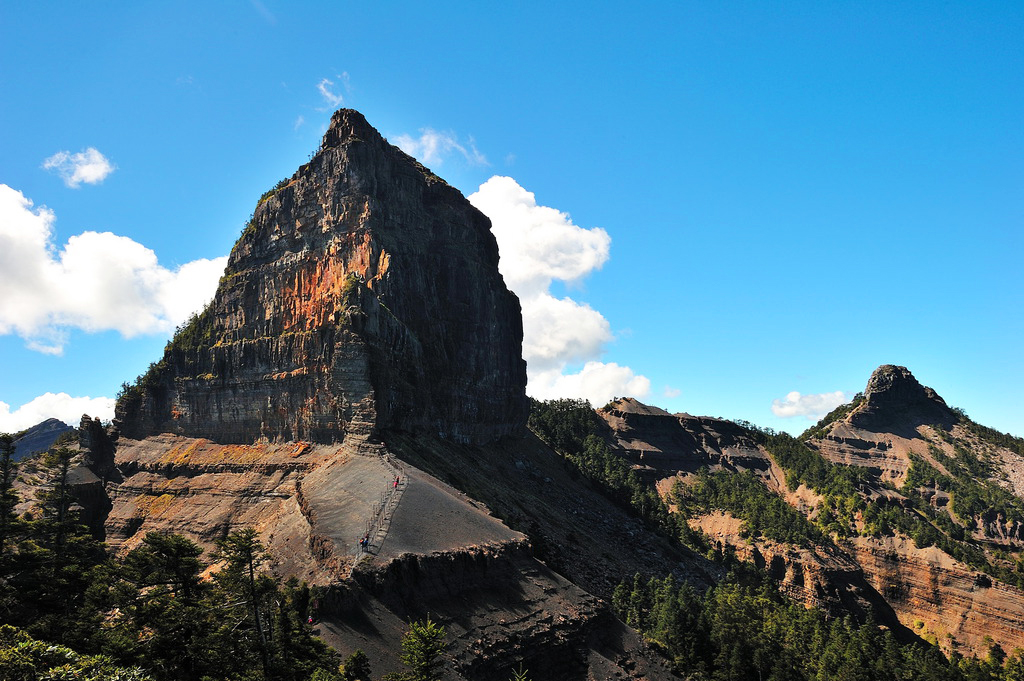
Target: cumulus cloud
{"points": [[98, 281], [59, 406], [89, 166], [813, 407], [432, 147], [539, 245], [598, 382]]}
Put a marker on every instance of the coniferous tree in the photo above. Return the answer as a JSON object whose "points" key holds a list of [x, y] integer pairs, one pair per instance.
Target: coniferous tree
{"points": [[8, 497], [421, 649]]}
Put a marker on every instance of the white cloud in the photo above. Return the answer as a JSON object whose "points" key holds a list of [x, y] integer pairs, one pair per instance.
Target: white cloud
{"points": [[89, 166], [557, 331], [299, 122], [332, 99], [671, 392], [60, 406], [538, 245], [98, 281], [811, 406], [597, 381], [433, 146]]}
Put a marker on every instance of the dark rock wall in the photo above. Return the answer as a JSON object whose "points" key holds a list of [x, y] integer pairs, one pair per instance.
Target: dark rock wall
{"points": [[364, 295], [896, 402]]}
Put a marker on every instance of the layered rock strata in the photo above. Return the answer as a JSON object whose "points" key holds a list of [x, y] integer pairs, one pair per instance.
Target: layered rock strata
{"points": [[942, 599], [363, 295], [655, 439]]}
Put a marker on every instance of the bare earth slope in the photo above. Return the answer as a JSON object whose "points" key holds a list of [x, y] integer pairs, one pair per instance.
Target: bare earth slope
{"points": [[434, 551]]}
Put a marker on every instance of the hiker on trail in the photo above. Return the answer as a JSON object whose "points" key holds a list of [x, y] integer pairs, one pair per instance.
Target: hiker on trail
{"points": [[396, 482]]}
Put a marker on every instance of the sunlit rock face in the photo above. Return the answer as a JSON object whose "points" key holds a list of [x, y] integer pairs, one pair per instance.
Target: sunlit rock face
{"points": [[363, 296]]}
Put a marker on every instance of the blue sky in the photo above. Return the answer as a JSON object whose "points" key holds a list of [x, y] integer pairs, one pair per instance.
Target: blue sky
{"points": [[757, 199]]}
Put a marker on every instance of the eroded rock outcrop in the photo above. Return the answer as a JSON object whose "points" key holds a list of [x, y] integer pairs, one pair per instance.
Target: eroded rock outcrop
{"points": [[653, 438], [363, 295], [895, 402]]}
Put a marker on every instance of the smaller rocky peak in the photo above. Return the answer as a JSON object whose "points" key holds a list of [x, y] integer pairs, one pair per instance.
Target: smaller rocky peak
{"points": [[894, 398], [891, 384], [631, 405]]}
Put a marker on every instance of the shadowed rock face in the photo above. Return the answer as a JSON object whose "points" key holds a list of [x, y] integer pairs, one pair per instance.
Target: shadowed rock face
{"points": [[363, 296]]}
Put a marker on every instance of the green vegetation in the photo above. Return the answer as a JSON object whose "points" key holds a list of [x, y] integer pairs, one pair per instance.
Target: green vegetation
{"points": [[991, 435], [23, 658], [572, 428], [250, 225], [194, 334], [76, 613], [190, 337], [745, 496], [743, 628], [273, 190], [421, 650]]}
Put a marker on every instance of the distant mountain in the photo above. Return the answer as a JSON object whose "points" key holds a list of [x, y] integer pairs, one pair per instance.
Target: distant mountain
{"points": [[39, 438], [905, 508]]}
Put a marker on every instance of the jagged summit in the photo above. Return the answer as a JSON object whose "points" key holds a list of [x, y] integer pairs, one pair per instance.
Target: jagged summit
{"points": [[893, 397], [364, 295]]}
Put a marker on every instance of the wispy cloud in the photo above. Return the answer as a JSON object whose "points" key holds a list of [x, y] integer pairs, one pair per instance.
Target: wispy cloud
{"points": [[89, 166], [299, 122], [539, 245], [432, 147], [327, 90], [813, 407], [671, 392], [97, 281]]}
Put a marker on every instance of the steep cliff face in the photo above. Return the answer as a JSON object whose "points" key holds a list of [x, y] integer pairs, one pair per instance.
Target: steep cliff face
{"points": [[364, 295]]}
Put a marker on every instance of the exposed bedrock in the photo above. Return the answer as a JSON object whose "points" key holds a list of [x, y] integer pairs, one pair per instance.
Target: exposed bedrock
{"points": [[364, 294], [501, 609]]}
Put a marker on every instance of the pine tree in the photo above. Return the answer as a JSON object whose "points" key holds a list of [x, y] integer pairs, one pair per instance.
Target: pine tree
{"points": [[422, 648]]}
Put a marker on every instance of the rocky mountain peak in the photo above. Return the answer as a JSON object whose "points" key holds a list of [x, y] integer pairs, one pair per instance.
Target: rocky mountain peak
{"points": [[364, 295], [347, 124], [894, 397]]}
